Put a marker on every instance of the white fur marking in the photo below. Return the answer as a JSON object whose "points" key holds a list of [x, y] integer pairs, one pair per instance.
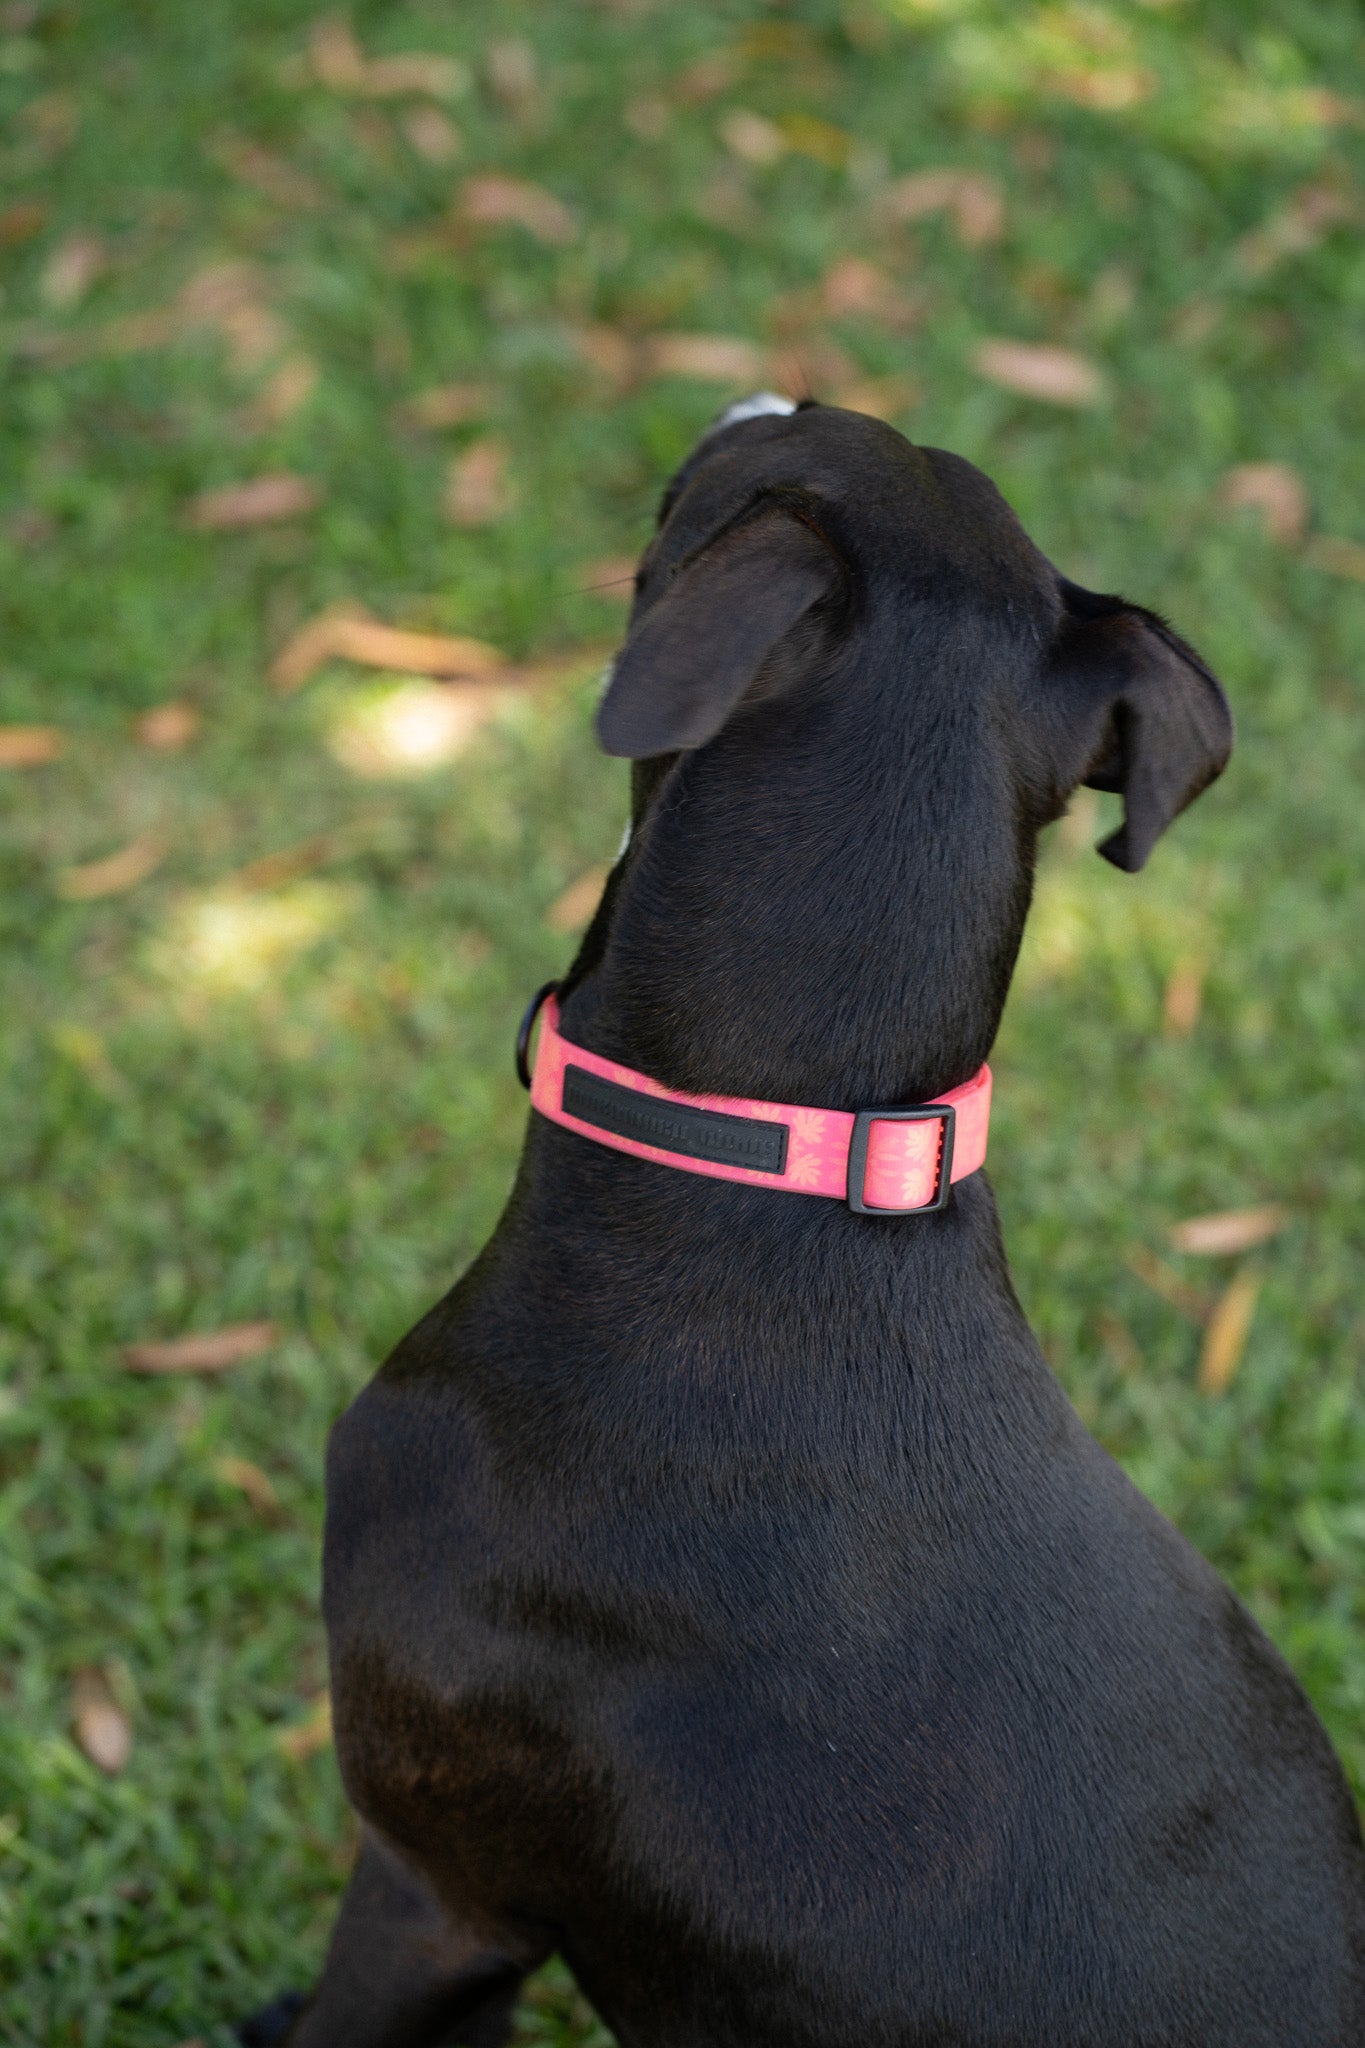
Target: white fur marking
{"points": [[754, 408]]}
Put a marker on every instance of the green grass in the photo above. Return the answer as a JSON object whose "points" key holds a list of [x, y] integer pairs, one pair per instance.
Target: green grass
{"points": [[326, 1145]]}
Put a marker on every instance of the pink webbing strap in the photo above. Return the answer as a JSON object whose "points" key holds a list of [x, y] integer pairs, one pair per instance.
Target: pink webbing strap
{"points": [[898, 1155]]}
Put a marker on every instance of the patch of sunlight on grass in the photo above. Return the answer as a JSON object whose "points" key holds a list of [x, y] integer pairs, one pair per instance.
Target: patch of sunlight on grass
{"points": [[1140, 66], [1255, 110], [395, 728], [932, 10], [228, 942], [1073, 927]]}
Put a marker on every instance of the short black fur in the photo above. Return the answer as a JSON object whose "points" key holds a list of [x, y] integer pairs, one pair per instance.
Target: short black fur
{"points": [[720, 1589]]}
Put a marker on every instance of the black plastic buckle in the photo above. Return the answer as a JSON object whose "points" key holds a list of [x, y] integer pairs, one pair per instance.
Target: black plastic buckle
{"points": [[526, 1027], [857, 1155]]}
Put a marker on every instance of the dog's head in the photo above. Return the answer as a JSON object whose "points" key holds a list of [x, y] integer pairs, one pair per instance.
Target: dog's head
{"points": [[854, 691], [794, 533]]}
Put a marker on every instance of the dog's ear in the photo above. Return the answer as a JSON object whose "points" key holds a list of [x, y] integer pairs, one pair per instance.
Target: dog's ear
{"points": [[696, 650], [1142, 715]]}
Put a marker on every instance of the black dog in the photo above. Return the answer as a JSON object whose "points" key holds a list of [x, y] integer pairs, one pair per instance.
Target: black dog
{"points": [[720, 1590]]}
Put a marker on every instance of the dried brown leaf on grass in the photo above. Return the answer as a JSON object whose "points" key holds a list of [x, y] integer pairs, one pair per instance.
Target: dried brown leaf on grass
{"points": [[810, 365], [226, 295], [1230, 1230], [1274, 490], [260, 501], [21, 220], [53, 119], [115, 872], [1229, 1326], [203, 1350], [288, 863], [103, 1731], [290, 387], [719, 358], [339, 62], [882, 398], [314, 643], [495, 200], [416, 71], [1057, 376], [336, 57], [975, 201], [478, 489], [1183, 998], [346, 632], [229, 297], [711, 73], [1296, 227], [1190, 1302], [310, 1735], [1121, 1344], [30, 746], [166, 728], [514, 76], [1337, 556], [252, 1481], [853, 287], [752, 137], [432, 134], [1047, 285], [612, 354], [71, 269], [1107, 88], [571, 911], [220, 291], [30, 527], [273, 176], [374, 645], [447, 405]]}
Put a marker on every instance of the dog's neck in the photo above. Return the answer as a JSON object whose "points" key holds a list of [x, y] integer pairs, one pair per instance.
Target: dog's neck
{"points": [[802, 918], [764, 937]]}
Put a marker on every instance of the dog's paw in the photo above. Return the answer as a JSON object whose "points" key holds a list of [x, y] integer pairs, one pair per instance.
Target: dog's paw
{"points": [[269, 2027]]}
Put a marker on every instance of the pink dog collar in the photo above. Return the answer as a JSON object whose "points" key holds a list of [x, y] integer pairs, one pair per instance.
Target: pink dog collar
{"points": [[883, 1162]]}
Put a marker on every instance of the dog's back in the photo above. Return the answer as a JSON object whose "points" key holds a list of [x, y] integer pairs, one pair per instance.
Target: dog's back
{"points": [[797, 1717]]}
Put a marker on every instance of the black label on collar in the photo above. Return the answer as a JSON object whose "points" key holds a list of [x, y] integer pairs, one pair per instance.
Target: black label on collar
{"points": [[674, 1126]]}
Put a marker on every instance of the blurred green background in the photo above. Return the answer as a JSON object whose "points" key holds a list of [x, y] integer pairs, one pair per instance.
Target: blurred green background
{"points": [[461, 284]]}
